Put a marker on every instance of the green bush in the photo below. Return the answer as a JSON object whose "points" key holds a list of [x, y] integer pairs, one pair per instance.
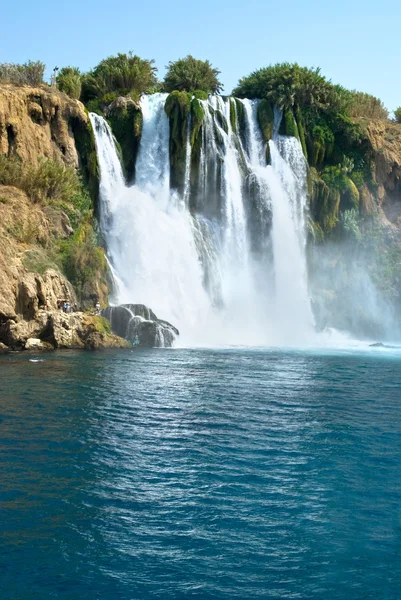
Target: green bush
{"points": [[29, 73], [49, 180], [82, 260], [69, 81], [43, 181], [287, 85], [191, 75], [365, 105], [122, 75], [397, 114]]}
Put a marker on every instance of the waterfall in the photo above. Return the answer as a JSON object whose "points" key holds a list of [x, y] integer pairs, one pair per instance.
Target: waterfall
{"points": [[187, 179], [112, 181], [150, 239], [283, 185], [232, 270]]}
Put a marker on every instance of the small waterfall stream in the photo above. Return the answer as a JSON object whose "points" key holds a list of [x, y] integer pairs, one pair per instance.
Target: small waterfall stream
{"points": [[207, 271]]}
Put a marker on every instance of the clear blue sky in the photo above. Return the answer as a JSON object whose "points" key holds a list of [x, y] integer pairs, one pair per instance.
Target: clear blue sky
{"points": [[355, 42]]}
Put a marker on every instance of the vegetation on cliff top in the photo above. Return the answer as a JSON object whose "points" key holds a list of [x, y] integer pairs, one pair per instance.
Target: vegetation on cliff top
{"points": [[190, 74], [327, 119], [29, 73], [69, 80], [121, 75]]}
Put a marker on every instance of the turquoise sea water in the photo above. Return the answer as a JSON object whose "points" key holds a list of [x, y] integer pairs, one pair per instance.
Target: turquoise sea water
{"points": [[210, 474]]}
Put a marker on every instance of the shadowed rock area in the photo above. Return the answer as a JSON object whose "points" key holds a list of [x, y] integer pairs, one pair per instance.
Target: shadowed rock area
{"points": [[139, 324]]}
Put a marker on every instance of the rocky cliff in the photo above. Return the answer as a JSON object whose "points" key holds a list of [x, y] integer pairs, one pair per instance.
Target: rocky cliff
{"points": [[39, 122], [40, 239], [385, 141]]}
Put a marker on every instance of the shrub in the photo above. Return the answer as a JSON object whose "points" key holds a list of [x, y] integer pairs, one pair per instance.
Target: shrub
{"points": [[82, 260], [69, 81], [124, 74], [192, 75], [43, 181], [37, 260], [29, 73], [365, 105], [397, 114], [50, 180], [287, 85], [11, 171]]}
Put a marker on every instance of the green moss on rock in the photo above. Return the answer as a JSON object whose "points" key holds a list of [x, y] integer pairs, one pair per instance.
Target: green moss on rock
{"points": [[221, 120], [201, 95], [101, 324], [288, 125], [301, 131], [86, 148], [178, 110], [325, 203], [266, 119], [349, 195], [241, 124], [125, 119]]}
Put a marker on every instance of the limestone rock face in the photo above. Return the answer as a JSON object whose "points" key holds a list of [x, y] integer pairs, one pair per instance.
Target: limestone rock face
{"points": [[15, 333], [59, 222], [139, 324], [385, 140], [38, 122], [37, 345], [53, 329]]}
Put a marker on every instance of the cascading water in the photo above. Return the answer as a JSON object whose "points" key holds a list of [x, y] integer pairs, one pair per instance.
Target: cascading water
{"points": [[207, 271], [283, 184], [150, 237]]}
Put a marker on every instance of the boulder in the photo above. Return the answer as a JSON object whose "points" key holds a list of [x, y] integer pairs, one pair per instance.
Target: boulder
{"points": [[3, 348], [16, 333], [139, 324], [37, 345]]}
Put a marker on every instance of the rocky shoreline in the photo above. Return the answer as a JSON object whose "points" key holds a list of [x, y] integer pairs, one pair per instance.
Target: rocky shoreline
{"points": [[31, 319], [52, 330]]}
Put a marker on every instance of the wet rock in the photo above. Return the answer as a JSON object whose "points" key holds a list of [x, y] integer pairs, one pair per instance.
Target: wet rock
{"points": [[139, 324]]}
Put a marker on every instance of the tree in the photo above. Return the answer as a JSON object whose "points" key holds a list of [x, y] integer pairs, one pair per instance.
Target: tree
{"points": [[124, 74], [397, 114], [189, 74], [287, 85], [69, 81]]}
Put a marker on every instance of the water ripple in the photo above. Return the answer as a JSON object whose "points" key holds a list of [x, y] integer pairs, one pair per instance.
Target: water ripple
{"points": [[200, 474]]}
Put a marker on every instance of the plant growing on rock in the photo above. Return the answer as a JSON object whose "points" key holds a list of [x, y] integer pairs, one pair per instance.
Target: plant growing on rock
{"points": [[69, 81], [190, 74], [42, 181], [287, 85], [360, 104], [121, 75], [397, 114], [29, 73], [83, 261]]}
